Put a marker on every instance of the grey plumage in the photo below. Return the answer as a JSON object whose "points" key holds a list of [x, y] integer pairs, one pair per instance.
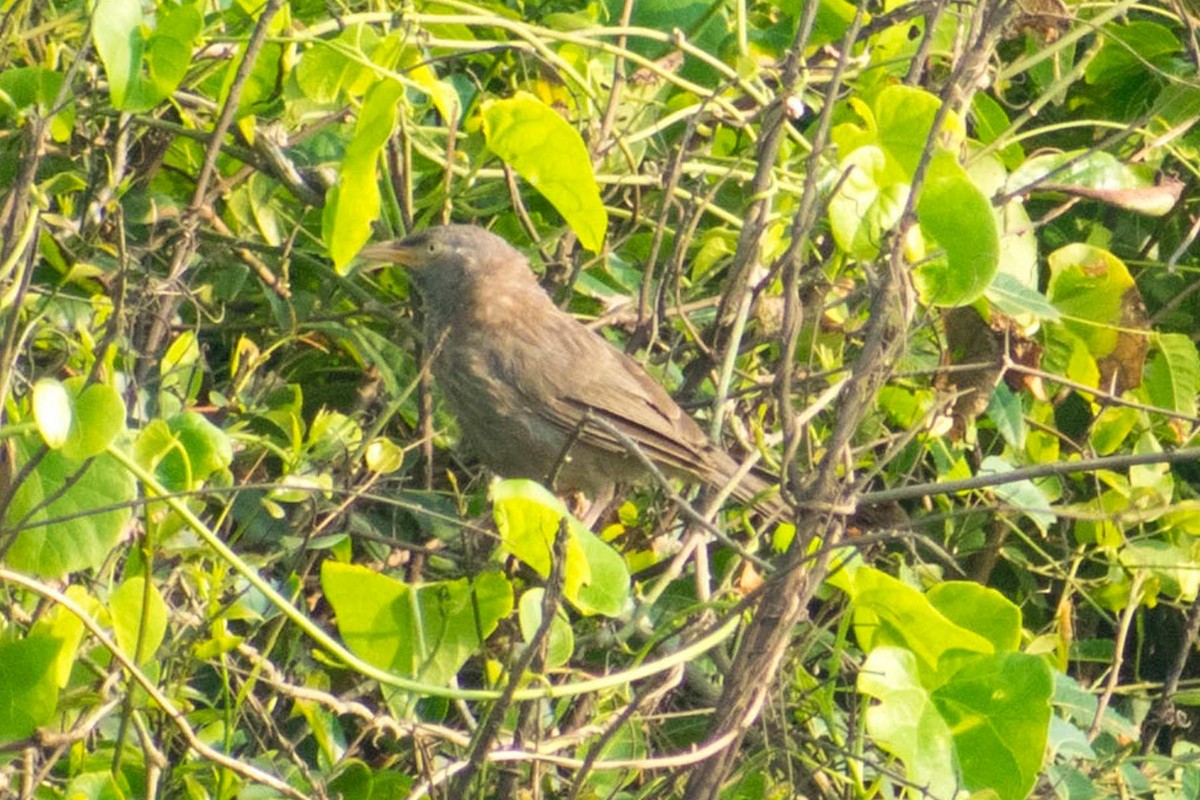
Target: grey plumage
{"points": [[520, 374]]}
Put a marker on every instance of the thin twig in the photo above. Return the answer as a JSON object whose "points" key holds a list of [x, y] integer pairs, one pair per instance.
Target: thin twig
{"points": [[1114, 669], [1183, 454], [176, 716], [485, 734]]}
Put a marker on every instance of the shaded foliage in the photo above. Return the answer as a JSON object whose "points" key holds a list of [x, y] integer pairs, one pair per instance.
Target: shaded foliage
{"points": [[877, 249]]}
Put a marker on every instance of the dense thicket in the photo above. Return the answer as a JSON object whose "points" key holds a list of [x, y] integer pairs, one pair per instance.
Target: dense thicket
{"points": [[929, 266]]}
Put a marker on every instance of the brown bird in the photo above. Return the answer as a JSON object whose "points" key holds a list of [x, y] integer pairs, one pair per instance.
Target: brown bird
{"points": [[522, 376]]}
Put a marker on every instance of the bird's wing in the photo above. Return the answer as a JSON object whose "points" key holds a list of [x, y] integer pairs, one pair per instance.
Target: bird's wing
{"points": [[582, 373]]}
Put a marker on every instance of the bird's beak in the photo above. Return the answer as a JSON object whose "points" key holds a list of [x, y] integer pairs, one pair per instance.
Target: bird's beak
{"points": [[394, 252]]}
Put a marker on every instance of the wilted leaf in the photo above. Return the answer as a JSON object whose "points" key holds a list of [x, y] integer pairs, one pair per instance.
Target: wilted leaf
{"points": [[974, 360], [1097, 175]]}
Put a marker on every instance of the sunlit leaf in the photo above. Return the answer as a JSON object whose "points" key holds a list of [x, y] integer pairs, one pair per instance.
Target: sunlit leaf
{"points": [[353, 204], [905, 721], [904, 116], [888, 612], [998, 707], [546, 151], [528, 517], [116, 31], [961, 235], [51, 406], [425, 632], [97, 421], [139, 618], [1102, 306], [144, 63], [868, 202]]}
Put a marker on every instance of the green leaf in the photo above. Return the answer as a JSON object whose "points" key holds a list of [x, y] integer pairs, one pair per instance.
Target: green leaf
{"points": [[98, 419], [441, 92], [904, 116], [353, 204], [207, 447], [1016, 299], [528, 516], [116, 32], [1174, 565], [125, 607], [1113, 425], [1023, 495], [888, 612], [1019, 258], [356, 781], [1067, 354], [426, 632], [991, 121], [327, 68], [383, 456], [169, 52], [545, 150], [1128, 52], [24, 88], [80, 423], [833, 18], [1007, 414], [905, 722], [28, 688], [607, 592], [868, 203], [97, 785], [119, 32], [987, 723], [560, 641], [959, 220], [184, 451], [699, 20], [60, 623], [181, 371], [332, 435], [998, 707], [1087, 284], [1173, 374], [261, 88], [903, 406], [55, 513], [980, 609]]}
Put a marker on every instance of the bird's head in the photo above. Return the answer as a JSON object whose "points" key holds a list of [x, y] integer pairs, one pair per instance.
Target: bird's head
{"points": [[448, 261]]}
